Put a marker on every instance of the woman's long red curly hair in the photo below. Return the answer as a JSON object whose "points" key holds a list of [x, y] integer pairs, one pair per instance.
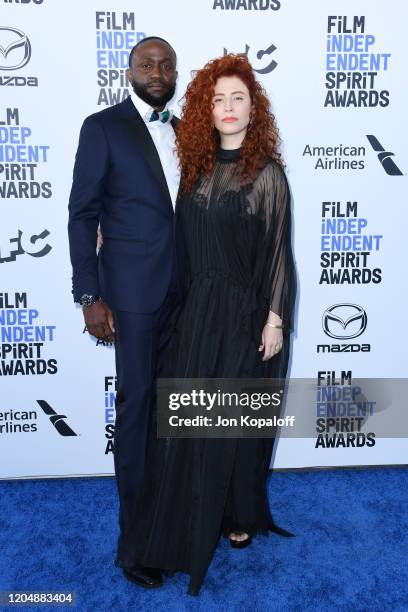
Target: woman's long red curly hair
{"points": [[197, 138]]}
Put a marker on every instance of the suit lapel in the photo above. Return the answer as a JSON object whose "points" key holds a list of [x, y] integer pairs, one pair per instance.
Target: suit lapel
{"points": [[141, 135], [174, 122]]}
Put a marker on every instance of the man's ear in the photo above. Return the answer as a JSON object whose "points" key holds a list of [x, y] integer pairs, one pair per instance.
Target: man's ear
{"points": [[129, 75]]}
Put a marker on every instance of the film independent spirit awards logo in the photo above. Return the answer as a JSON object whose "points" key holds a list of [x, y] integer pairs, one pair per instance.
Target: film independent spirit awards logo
{"points": [[15, 48]]}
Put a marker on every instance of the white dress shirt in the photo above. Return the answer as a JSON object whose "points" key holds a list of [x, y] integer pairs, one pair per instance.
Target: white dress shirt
{"points": [[164, 139]]}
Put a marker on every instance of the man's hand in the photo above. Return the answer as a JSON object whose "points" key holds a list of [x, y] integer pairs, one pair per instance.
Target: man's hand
{"points": [[99, 321]]}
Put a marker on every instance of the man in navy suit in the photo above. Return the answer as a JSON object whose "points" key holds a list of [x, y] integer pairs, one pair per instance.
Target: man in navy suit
{"points": [[126, 179]]}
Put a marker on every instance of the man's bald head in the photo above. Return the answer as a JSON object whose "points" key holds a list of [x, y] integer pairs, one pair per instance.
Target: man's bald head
{"points": [[147, 39]]}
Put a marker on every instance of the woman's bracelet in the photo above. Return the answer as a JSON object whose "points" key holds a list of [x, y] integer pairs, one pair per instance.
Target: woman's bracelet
{"points": [[276, 326]]}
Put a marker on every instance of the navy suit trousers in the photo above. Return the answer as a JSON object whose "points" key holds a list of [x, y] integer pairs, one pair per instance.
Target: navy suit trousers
{"points": [[140, 345]]}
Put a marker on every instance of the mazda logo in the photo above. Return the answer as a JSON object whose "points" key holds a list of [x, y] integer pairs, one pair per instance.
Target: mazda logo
{"points": [[15, 49], [344, 321]]}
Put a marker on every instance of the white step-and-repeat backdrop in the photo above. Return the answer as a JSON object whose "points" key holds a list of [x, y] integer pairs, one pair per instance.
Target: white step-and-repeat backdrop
{"points": [[335, 71]]}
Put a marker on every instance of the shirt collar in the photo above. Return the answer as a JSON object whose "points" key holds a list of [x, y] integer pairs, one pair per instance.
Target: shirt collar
{"points": [[143, 109]]}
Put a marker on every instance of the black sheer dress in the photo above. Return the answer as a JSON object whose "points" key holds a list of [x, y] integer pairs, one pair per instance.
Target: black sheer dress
{"points": [[238, 240]]}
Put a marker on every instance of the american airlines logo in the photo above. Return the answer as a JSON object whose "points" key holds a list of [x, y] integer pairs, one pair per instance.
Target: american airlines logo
{"points": [[385, 157], [56, 419]]}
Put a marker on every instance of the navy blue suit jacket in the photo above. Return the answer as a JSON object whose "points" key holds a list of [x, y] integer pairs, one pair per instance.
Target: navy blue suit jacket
{"points": [[118, 181]]}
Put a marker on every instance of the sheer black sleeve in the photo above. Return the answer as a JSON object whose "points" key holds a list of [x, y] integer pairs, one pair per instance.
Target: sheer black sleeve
{"points": [[275, 269]]}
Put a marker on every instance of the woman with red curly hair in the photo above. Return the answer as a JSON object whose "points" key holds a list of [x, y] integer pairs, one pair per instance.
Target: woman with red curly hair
{"points": [[234, 208]]}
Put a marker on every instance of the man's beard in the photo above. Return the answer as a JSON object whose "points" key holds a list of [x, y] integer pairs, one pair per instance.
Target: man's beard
{"points": [[154, 101]]}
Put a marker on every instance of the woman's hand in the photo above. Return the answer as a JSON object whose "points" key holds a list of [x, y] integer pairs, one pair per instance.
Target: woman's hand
{"points": [[272, 337], [99, 238]]}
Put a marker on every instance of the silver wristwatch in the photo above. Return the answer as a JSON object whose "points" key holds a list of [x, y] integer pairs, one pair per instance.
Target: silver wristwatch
{"points": [[89, 300]]}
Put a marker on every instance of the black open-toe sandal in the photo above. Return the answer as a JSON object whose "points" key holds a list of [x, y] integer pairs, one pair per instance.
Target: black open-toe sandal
{"points": [[240, 543]]}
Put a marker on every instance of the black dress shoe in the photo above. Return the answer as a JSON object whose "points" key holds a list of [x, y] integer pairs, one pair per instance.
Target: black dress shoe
{"points": [[147, 577], [193, 590]]}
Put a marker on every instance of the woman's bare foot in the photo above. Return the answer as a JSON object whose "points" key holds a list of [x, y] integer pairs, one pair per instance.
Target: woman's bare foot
{"points": [[238, 536]]}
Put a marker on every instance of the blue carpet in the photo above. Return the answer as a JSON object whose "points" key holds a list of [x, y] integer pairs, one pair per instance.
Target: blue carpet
{"points": [[350, 552]]}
